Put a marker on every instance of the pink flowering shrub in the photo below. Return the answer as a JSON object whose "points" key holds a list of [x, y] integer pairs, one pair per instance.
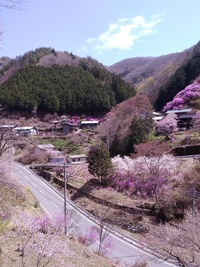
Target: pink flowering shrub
{"points": [[191, 92], [91, 236], [144, 176]]}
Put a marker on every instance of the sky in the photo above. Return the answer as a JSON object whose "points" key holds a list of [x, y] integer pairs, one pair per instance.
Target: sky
{"points": [[106, 30]]}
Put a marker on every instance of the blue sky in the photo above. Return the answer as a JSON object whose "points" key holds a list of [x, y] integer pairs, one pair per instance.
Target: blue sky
{"points": [[107, 30]]}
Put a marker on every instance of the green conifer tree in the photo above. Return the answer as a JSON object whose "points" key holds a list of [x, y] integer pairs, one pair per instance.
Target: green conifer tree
{"points": [[100, 163]]}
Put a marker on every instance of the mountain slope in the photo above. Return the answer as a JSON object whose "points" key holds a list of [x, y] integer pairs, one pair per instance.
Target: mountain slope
{"points": [[185, 75], [148, 74], [60, 82]]}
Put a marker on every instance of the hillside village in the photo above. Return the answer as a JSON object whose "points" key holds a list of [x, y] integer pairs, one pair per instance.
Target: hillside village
{"points": [[147, 150]]}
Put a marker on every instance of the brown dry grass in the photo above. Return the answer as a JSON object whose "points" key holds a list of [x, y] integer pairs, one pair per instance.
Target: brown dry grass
{"points": [[81, 256]]}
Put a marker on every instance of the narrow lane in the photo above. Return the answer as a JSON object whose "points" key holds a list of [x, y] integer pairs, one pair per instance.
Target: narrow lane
{"points": [[53, 204]]}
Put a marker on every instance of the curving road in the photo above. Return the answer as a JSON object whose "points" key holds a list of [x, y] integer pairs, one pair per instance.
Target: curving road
{"points": [[125, 250]]}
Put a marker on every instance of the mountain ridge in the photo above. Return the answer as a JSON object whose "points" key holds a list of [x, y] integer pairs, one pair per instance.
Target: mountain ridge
{"points": [[58, 82], [148, 75]]}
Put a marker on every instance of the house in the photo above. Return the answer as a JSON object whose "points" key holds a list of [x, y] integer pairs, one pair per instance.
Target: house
{"points": [[184, 117], [80, 158], [25, 130], [185, 121], [55, 156], [68, 127], [89, 124]]}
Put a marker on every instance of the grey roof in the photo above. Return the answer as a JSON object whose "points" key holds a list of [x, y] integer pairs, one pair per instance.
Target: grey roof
{"points": [[179, 110], [46, 146], [77, 156]]}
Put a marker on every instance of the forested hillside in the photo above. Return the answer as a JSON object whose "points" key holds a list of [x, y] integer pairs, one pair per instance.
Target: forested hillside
{"points": [[183, 76], [53, 83], [154, 76]]}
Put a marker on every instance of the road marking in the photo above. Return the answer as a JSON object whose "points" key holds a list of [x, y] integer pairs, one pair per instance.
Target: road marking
{"points": [[102, 245], [46, 211], [54, 204], [83, 215], [74, 222], [42, 192], [33, 184], [21, 183]]}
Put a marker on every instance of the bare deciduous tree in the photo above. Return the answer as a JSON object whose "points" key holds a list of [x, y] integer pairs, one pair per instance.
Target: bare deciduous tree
{"points": [[122, 115], [100, 234], [12, 4], [178, 242], [6, 139]]}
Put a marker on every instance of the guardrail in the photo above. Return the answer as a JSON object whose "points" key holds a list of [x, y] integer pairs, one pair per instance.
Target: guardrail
{"points": [[109, 228]]}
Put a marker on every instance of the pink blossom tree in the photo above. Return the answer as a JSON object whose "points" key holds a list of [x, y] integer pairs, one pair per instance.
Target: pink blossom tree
{"points": [[146, 176], [167, 125], [40, 239]]}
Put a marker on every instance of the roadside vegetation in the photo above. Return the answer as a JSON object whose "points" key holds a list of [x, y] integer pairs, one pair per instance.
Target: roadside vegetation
{"points": [[29, 238]]}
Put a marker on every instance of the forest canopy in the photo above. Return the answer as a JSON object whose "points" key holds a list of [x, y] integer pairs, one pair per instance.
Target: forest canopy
{"points": [[64, 89]]}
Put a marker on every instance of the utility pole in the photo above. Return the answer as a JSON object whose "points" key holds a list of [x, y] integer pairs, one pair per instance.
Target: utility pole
{"points": [[193, 200], [65, 200]]}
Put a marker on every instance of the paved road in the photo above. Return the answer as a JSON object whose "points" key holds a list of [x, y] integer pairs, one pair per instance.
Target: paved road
{"points": [[53, 204]]}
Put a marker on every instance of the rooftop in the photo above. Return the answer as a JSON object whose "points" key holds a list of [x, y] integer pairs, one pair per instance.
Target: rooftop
{"points": [[89, 122], [179, 110], [77, 156]]}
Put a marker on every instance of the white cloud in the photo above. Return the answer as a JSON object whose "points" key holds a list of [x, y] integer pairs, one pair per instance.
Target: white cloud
{"points": [[123, 33]]}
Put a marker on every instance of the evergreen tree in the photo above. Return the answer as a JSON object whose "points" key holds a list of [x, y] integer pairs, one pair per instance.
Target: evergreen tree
{"points": [[139, 130], [99, 161]]}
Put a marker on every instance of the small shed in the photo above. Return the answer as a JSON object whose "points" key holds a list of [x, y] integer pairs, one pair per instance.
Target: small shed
{"points": [[80, 158]]}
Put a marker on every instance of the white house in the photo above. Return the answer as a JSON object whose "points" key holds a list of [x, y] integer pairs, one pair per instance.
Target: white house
{"points": [[89, 124], [25, 130]]}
